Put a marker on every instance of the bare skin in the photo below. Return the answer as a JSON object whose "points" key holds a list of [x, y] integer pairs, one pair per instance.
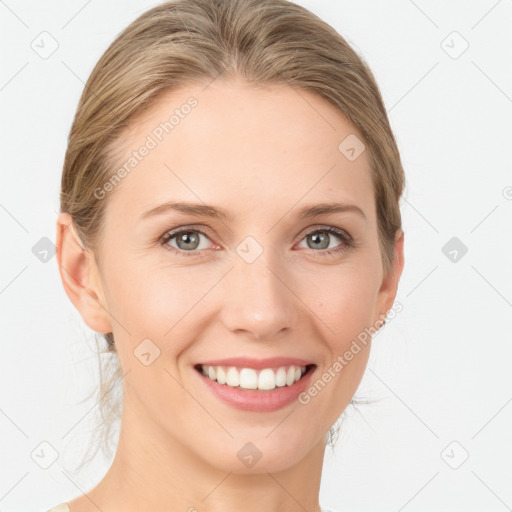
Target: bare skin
{"points": [[261, 154]]}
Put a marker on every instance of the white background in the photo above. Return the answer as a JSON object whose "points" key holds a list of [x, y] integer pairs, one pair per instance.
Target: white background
{"points": [[441, 368]]}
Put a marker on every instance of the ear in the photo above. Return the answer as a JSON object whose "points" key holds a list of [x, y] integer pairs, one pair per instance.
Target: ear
{"points": [[78, 271], [389, 287]]}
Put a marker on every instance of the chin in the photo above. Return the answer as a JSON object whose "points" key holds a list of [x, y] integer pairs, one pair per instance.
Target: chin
{"points": [[259, 456]]}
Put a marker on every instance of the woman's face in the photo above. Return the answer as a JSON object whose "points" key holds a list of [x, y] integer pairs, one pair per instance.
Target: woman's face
{"points": [[251, 279]]}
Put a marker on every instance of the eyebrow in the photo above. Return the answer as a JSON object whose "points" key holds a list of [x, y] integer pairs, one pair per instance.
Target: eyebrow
{"points": [[203, 210]]}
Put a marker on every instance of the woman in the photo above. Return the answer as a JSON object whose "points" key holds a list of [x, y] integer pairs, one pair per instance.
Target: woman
{"points": [[230, 222]]}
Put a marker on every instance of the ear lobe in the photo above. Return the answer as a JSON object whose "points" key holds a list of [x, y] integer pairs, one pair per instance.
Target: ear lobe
{"points": [[79, 277], [389, 287]]}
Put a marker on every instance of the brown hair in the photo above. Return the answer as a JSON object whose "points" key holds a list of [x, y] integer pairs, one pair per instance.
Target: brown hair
{"points": [[191, 41]]}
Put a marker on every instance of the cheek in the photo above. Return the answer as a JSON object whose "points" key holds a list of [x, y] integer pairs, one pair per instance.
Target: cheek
{"points": [[343, 301], [343, 298], [149, 298]]}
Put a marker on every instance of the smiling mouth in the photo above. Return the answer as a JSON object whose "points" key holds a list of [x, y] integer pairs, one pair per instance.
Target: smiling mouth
{"points": [[264, 379]]}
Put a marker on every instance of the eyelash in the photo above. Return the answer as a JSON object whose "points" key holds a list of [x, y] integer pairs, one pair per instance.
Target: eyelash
{"points": [[348, 241]]}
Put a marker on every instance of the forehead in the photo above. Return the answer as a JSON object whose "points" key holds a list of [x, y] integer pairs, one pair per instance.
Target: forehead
{"points": [[241, 147]]}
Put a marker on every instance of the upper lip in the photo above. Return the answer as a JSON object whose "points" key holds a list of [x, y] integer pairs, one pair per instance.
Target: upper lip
{"points": [[249, 362]]}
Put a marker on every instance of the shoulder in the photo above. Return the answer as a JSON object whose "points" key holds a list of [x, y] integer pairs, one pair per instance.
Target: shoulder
{"points": [[62, 507]]}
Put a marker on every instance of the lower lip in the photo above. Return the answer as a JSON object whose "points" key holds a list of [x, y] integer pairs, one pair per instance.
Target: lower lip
{"points": [[257, 400]]}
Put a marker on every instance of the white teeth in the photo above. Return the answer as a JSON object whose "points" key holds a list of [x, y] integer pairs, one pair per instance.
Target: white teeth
{"points": [[290, 376], [267, 379], [221, 375], [233, 377], [281, 377], [249, 378]]}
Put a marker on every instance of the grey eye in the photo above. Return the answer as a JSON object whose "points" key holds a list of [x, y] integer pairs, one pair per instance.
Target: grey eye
{"points": [[186, 240], [320, 240]]}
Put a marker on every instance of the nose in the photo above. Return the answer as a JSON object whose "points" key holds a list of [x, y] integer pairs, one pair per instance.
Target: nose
{"points": [[258, 300]]}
